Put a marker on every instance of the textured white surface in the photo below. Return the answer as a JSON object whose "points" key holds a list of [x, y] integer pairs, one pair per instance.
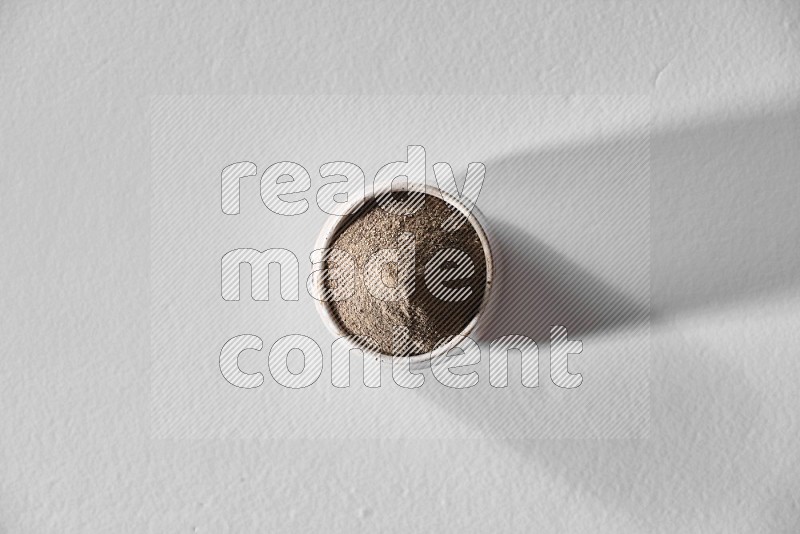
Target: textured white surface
{"points": [[76, 80]]}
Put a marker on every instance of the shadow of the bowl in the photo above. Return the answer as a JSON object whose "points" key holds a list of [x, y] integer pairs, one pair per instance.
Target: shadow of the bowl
{"points": [[724, 232]]}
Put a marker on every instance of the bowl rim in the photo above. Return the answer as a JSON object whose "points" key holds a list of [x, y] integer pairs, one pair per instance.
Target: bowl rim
{"points": [[332, 226]]}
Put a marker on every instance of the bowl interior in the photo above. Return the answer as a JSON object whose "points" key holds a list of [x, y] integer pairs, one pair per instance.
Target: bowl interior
{"points": [[336, 223]]}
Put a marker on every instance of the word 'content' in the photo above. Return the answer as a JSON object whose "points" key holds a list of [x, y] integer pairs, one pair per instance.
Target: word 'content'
{"points": [[466, 353]]}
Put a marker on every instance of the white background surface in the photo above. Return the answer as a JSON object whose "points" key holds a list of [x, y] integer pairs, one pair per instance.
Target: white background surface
{"points": [[76, 81]]}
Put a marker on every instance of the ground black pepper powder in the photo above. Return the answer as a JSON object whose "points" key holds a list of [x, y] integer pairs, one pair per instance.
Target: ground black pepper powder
{"points": [[428, 318]]}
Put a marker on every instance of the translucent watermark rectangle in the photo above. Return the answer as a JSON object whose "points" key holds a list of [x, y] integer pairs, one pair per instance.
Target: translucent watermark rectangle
{"points": [[242, 186]]}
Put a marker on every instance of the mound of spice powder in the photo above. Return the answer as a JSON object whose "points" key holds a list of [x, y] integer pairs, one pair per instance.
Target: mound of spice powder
{"points": [[428, 318]]}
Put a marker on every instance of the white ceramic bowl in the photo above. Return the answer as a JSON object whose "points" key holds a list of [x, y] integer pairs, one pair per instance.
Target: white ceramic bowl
{"points": [[336, 222]]}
